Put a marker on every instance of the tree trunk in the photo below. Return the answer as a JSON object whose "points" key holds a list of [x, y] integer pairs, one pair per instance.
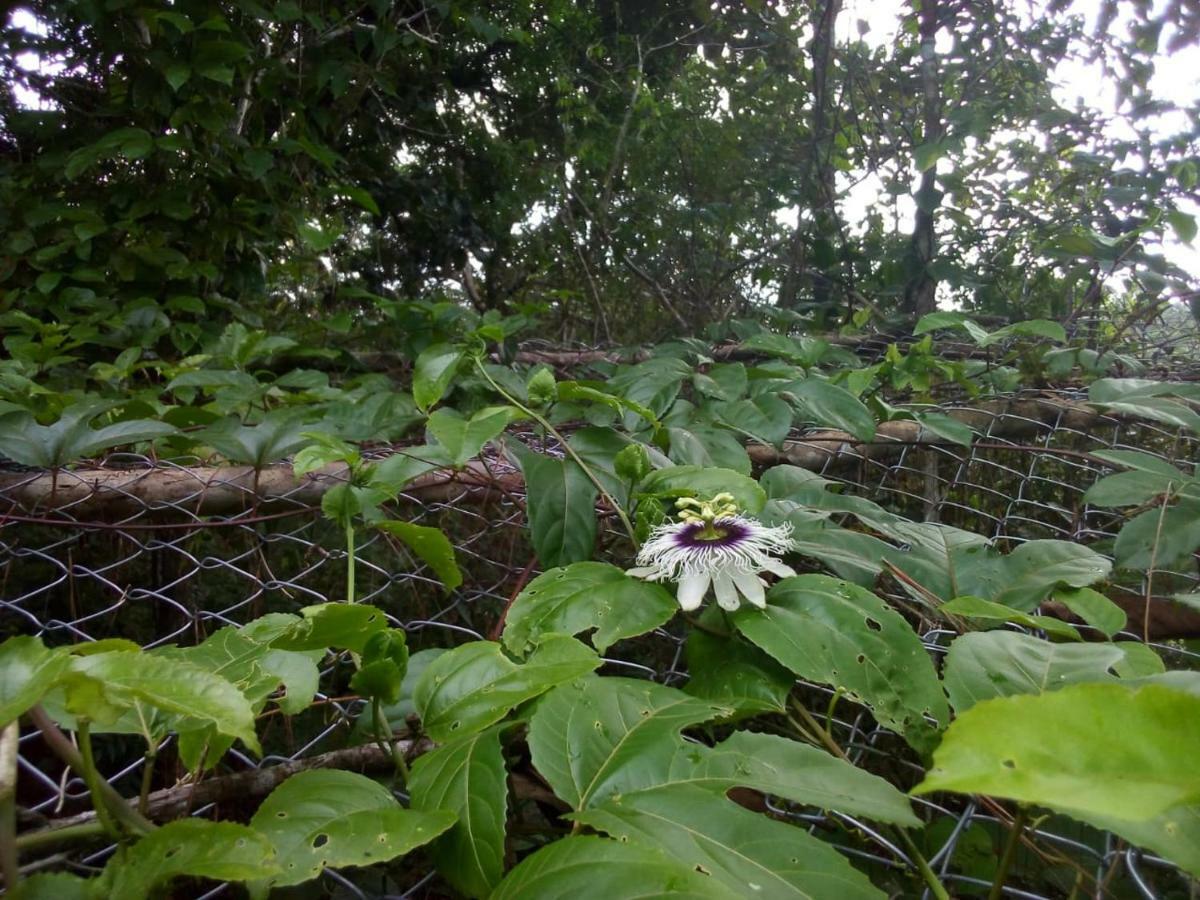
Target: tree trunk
{"points": [[919, 293]]}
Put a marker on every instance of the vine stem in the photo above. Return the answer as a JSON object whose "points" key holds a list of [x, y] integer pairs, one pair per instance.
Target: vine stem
{"points": [[545, 423], [9, 864], [1009, 853], [930, 877], [387, 740], [92, 778], [103, 794], [349, 563]]}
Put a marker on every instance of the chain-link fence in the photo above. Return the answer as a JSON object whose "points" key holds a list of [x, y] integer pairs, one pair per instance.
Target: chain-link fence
{"points": [[167, 553]]}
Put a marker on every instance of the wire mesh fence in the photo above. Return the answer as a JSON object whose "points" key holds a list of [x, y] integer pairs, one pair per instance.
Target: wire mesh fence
{"points": [[160, 566]]}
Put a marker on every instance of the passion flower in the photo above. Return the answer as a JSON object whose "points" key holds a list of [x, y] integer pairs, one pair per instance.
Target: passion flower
{"points": [[712, 545]]}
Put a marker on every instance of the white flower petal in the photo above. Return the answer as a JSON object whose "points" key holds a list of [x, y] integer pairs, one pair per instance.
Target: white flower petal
{"points": [[775, 567], [650, 573], [692, 589], [727, 596], [751, 587]]}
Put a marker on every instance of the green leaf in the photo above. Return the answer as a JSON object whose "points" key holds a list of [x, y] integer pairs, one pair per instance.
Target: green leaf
{"points": [[71, 438], [708, 447], [59, 886], [734, 673], [27, 670], [945, 427], [179, 688], [589, 866], [222, 851], [837, 633], [784, 768], [984, 665], [1183, 224], [766, 419], [1094, 608], [475, 685], [344, 626], [435, 369], [696, 481], [327, 817], [541, 388], [749, 853], [1043, 328], [279, 434], [833, 405], [1159, 409], [1088, 749], [467, 777], [583, 596], [463, 438], [431, 545], [589, 738], [1035, 568], [1132, 488], [562, 508], [1162, 538], [989, 611], [926, 156]]}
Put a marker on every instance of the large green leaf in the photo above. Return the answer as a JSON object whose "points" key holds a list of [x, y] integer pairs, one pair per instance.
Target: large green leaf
{"points": [[784, 768], [985, 665], [223, 851], [71, 438], [592, 866], [103, 685], [749, 853], [837, 633], [833, 405], [1087, 749], [990, 611], [708, 447], [327, 817], [694, 481], [344, 626], [434, 370], [734, 673], [595, 737], [583, 596], [1035, 568], [1160, 538], [279, 434], [467, 777], [463, 438], [27, 670], [472, 686], [431, 546], [1094, 608], [562, 508], [766, 419]]}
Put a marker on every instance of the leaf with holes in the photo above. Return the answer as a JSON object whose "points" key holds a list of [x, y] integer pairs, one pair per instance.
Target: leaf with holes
{"points": [[837, 633], [746, 851], [585, 596], [27, 670], [1058, 750], [344, 626], [467, 777], [222, 851], [475, 685], [598, 736], [431, 546], [784, 768], [589, 866], [326, 817]]}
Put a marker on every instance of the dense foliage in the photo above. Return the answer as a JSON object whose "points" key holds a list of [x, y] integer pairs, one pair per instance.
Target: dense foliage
{"points": [[296, 234]]}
